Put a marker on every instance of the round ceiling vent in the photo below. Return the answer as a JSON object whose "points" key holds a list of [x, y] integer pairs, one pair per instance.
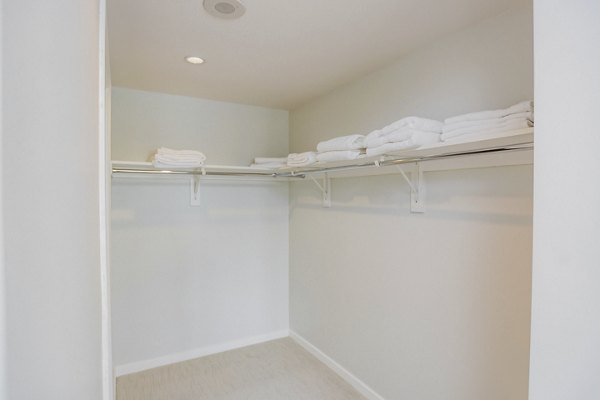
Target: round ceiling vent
{"points": [[227, 9]]}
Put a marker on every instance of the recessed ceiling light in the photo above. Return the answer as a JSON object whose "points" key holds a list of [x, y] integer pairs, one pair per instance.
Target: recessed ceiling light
{"points": [[227, 9], [194, 60]]}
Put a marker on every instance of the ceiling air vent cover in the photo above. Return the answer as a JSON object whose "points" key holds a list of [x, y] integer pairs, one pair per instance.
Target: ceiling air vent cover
{"points": [[227, 9]]}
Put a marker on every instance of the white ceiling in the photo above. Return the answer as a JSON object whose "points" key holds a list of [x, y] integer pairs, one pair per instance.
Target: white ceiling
{"points": [[281, 53]]}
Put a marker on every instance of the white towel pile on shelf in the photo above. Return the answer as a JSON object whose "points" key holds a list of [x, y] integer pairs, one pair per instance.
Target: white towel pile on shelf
{"points": [[169, 158], [269, 162], [488, 123], [341, 148], [406, 133], [414, 132]]}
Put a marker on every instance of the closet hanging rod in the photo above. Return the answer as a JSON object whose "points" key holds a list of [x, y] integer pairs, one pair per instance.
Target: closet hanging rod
{"points": [[517, 143], [205, 173], [512, 148], [408, 160]]}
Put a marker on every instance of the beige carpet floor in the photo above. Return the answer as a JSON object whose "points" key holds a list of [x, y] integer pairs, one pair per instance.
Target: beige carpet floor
{"points": [[276, 370]]}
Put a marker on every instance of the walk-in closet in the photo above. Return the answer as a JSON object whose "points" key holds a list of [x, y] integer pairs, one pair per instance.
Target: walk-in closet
{"points": [[299, 200], [407, 272]]}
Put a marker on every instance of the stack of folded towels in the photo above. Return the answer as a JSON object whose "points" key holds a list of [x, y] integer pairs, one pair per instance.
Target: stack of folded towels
{"points": [[269, 162], [488, 123], [301, 159], [341, 148], [170, 158], [406, 133], [413, 132]]}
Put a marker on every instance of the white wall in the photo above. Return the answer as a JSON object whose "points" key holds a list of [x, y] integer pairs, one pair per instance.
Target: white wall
{"points": [[186, 278], [485, 67], [50, 198], [565, 350], [228, 133], [3, 382], [421, 306], [105, 169]]}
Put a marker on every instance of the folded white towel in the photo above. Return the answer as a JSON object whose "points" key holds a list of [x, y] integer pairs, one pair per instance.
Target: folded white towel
{"points": [[165, 157], [413, 142], [399, 135], [422, 124], [301, 159], [176, 164], [497, 128], [373, 138], [523, 106], [487, 123], [270, 160], [164, 151], [490, 134], [350, 142], [339, 155]]}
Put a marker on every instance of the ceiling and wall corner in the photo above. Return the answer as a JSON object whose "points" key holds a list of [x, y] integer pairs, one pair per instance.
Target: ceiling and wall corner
{"points": [[279, 54], [486, 66]]}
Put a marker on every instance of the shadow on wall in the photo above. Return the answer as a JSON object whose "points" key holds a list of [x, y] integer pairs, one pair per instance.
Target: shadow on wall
{"points": [[497, 195]]}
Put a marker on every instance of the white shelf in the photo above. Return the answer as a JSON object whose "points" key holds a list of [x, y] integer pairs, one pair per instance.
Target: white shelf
{"points": [[142, 167], [481, 152], [509, 148]]}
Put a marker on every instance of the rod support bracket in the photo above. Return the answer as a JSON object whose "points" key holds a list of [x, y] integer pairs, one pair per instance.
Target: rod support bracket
{"points": [[195, 190], [417, 187], [325, 189]]}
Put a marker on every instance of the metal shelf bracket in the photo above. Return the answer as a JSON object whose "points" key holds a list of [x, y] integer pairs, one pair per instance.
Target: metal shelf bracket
{"points": [[325, 189], [195, 190], [417, 187]]}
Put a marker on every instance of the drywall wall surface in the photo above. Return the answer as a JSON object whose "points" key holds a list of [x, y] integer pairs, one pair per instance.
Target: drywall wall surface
{"points": [[488, 66], [227, 133], [433, 305], [105, 165], [3, 383], [50, 198], [565, 351], [186, 278]]}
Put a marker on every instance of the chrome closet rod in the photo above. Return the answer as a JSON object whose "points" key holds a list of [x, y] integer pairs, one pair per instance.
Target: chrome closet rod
{"points": [[511, 148], [399, 161], [301, 174], [206, 173]]}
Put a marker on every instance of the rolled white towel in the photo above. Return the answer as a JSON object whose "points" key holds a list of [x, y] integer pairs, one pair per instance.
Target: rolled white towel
{"points": [[399, 135], [423, 124], [339, 155], [350, 142], [523, 106], [413, 142], [487, 123], [509, 125], [301, 159]]}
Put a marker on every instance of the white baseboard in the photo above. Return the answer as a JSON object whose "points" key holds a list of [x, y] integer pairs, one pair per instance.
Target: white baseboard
{"points": [[139, 366], [359, 385]]}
